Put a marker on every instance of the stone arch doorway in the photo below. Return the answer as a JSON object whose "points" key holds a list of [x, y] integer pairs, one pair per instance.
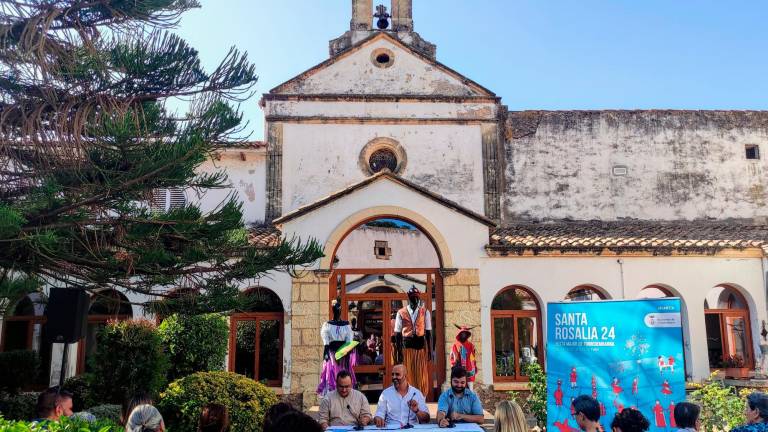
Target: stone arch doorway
{"points": [[374, 264]]}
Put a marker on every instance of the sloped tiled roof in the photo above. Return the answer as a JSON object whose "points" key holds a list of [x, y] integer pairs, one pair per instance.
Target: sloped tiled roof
{"points": [[264, 236], [660, 238]]}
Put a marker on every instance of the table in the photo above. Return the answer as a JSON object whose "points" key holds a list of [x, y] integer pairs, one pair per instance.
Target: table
{"points": [[427, 427]]}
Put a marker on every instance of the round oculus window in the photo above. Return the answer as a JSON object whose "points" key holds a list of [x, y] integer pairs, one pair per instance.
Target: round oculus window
{"points": [[383, 158]]}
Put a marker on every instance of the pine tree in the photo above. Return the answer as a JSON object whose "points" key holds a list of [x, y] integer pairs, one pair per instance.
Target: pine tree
{"points": [[86, 136]]}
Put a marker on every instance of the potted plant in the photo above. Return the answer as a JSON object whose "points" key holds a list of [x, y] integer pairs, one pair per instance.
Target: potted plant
{"points": [[735, 367]]}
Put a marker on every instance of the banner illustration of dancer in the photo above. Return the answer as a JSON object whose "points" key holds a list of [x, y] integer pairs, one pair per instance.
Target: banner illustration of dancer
{"points": [[636, 361]]}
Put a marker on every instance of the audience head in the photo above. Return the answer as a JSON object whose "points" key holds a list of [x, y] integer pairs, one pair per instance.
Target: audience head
{"points": [[458, 379], [213, 418], [343, 383], [509, 418], [274, 413], [586, 411], [399, 377], [630, 420], [129, 404], [145, 418], [687, 416], [756, 409], [53, 404], [296, 421]]}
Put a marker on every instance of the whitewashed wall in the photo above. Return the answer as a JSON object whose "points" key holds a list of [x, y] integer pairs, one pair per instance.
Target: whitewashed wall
{"points": [[320, 159], [247, 179], [692, 278]]}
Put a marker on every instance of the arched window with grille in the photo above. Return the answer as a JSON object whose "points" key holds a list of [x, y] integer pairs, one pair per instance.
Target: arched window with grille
{"points": [[516, 333]]}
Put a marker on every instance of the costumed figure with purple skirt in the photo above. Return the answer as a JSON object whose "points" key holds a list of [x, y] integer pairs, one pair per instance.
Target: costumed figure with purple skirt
{"points": [[339, 353]]}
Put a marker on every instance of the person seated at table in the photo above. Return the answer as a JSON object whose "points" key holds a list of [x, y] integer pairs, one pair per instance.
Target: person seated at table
{"points": [[458, 403], [401, 403], [344, 406]]}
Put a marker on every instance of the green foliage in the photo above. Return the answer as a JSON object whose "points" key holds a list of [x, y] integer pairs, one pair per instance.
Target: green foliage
{"points": [[83, 392], [195, 343], [535, 402], [246, 400], [18, 369], [721, 407], [107, 412], [18, 407], [87, 141], [63, 425], [129, 359]]}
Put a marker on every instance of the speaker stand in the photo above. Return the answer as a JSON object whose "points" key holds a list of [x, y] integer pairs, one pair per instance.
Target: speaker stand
{"points": [[63, 371]]}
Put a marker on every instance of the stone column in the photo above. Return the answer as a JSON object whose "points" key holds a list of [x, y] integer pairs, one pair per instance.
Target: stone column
{"points": [[362, 15], [402, 15], [309, 310], [462, 307]]}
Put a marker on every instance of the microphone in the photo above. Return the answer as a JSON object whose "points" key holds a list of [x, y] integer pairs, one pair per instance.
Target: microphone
{"points": [[358, 426], [409, 425], [451, 424]]}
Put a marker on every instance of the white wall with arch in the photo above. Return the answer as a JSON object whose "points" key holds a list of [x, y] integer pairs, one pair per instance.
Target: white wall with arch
{"points": [[691, 278]]}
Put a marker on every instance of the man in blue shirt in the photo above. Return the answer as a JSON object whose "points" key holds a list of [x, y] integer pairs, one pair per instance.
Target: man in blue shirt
{"points": [[458, 403]]}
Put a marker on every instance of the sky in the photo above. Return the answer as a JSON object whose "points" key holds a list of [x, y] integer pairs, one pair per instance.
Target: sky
{"points": [[535, 54]]}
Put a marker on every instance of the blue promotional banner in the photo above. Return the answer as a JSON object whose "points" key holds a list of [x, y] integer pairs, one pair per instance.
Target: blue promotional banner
{"points": [[625, 354]]}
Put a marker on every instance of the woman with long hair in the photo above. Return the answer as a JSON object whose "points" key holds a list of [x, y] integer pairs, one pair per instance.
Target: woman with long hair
{"points": [[130, 404], [509, 418]]}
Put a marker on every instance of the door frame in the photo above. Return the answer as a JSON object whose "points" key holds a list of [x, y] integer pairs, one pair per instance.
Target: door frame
{"points": [[433, 290]]}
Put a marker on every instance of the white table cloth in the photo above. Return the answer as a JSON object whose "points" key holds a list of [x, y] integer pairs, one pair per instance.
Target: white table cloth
{"points": [[460, 427]]}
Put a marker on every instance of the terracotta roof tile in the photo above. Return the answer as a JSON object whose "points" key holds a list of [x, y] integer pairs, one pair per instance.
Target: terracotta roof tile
{"points": [[264, 236], [657, 237]]}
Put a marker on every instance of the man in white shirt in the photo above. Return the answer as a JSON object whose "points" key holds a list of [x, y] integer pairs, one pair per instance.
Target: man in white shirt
{"points": [[401, 403]]}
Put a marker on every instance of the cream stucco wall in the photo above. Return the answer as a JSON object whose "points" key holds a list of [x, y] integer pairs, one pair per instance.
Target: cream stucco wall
{"points": [[691, 278], [320, 159], [463, 238], [247, 179]]}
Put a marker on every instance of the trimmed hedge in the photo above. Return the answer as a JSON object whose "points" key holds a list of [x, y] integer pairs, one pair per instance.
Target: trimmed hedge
{"points": [[18, 407], [83, 394], [195, 343], [246, 400], [63, 425], [129, 359], [18, 369], [107, 412]]}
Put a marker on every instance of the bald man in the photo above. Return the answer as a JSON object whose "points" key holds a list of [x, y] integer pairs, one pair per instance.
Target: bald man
{"points": [[401, 403]]}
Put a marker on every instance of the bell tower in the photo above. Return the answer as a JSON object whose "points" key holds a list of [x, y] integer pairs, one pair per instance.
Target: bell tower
{"points": [[397, 20]]}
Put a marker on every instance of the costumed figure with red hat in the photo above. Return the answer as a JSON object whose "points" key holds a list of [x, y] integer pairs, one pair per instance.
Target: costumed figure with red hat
{"points": [[339, 353], [463, 354], [413, 340]]}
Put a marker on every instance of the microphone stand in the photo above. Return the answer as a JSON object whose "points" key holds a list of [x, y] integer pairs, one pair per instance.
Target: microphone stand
{"points": [[358, 426], [408, 425]]}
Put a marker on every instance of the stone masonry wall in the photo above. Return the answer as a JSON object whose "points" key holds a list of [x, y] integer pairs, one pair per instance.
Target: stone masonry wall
{"points": [[462, 307], [309, 309]]}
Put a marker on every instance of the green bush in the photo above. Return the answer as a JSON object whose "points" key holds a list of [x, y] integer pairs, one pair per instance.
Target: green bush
{"points": [[535, 402], [83, 393], [195, 343], [63, 425], [129, 359], [18, 369], [107, 412], [721, 407], [19, 406], [246, 400]]}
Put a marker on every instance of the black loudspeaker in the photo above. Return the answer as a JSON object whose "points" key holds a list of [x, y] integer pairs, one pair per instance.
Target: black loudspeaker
{"points": [[67, 314]]}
